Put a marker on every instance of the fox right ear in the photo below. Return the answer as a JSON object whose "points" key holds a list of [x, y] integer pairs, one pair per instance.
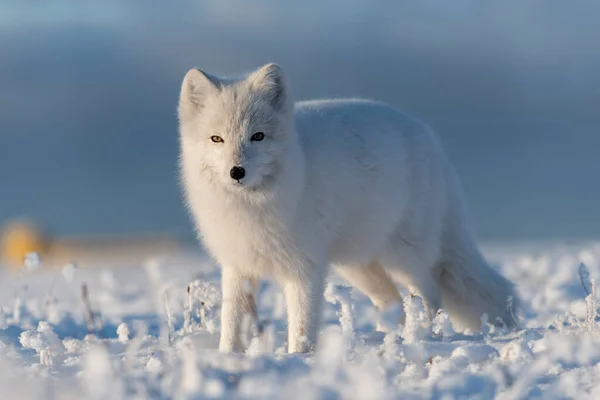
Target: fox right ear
{"points": [[197, 85]]}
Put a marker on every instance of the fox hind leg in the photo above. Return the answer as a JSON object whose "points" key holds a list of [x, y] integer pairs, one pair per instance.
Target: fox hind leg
{"points": [[375, 282]]}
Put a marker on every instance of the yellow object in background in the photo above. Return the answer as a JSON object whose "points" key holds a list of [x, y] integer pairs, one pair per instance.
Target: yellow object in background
{"points": [[18, 239]]}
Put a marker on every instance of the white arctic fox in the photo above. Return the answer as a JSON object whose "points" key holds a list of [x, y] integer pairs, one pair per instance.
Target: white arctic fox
{"points": [[285, 190]]}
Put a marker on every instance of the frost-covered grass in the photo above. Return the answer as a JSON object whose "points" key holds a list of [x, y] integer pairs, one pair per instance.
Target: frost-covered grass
{"points": [[152, 331]]}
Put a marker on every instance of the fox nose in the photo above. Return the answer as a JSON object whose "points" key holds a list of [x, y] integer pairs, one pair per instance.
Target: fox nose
{"points": [[237, 173]]}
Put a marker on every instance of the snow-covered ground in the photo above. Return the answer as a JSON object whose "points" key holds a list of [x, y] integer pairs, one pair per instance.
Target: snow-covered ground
{"points": [[154, 330]]}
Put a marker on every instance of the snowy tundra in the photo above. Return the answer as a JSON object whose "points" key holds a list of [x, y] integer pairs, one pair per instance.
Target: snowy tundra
{"points": [[286, 189]]}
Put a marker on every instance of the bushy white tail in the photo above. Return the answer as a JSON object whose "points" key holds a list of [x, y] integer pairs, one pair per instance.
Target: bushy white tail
{"points": [[471, 288]]}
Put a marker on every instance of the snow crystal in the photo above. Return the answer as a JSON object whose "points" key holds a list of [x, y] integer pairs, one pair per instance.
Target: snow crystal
{"points": [[155, 366], [45, 342], [475, 353], [517, 351], [340, 295], [123, 332], [443, 326], [68, 272], [37, 341], [32, 262], [417, 320]]}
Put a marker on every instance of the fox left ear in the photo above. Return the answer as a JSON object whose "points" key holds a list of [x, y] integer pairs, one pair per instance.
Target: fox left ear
{"points": [[196, 87], [270, 81]]}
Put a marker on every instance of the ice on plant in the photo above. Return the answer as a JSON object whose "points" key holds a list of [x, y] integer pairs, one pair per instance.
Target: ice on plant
{"points": [[340, 295], [123, 332], [68, 272], [45, 342], [418, 324], [32, 261], [442, 325]]}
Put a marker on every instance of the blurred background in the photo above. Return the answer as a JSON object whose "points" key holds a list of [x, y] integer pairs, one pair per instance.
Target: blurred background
{"points": [[88, 93]]}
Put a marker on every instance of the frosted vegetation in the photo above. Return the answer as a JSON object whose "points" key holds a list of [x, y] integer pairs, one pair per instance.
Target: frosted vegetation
{"points": [[152, 331]]}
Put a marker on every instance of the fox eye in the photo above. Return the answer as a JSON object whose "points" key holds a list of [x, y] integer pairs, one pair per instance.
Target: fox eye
{"points": [[257, 137], [216, 139]]}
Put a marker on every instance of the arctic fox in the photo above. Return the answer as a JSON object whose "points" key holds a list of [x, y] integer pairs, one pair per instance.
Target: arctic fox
{"points": [[285, 189]]}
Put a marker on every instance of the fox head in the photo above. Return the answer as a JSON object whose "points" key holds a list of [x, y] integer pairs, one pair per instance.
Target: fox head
{"points": [[236, 132]]}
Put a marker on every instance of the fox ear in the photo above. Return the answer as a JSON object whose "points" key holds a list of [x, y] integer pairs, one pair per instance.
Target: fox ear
{"points": [[270, 81], [197, 85]]}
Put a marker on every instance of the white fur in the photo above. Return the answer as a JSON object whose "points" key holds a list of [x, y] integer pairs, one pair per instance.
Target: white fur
{"points": [[349, 183]]}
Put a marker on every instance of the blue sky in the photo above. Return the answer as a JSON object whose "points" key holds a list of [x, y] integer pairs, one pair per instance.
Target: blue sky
{"points": [[88, 139]]}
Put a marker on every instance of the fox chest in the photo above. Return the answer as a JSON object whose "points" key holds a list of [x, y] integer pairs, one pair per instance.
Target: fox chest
{"points": [[246, 239]]}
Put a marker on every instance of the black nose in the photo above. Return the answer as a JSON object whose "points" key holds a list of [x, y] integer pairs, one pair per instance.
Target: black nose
{"points": [[237, 173]]}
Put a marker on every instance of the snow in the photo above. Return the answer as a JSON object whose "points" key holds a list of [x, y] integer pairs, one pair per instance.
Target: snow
{"points": [[442, 326], [151, 332], [123, 332], [417, 324], [32, 262]]}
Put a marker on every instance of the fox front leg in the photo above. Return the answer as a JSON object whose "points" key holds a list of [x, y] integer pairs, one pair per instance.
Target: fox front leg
{"points": [[304, 300], [239, 301]]}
